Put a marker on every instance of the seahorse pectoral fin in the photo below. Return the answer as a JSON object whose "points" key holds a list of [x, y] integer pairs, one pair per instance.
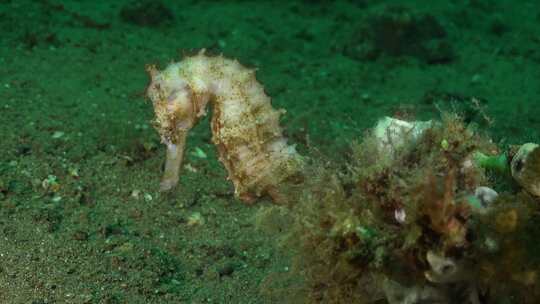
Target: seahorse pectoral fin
{"points": [[173, 162]]}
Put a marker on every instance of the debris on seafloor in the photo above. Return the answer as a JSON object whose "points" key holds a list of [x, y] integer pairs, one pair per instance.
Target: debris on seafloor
{"points": [[422, 223], [398, 31]]}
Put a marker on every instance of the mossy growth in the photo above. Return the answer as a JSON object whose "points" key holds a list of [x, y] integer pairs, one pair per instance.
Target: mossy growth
{"points": [[411, 218], [506, 248]]}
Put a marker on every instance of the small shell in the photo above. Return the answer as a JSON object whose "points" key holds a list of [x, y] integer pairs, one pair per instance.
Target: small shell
{"points": [[443, 269], [485, 197], [396, 293], [392, 133], [400, 215]]}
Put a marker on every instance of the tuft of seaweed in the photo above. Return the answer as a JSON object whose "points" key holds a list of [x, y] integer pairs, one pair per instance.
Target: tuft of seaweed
{"points": [[414, 225]]}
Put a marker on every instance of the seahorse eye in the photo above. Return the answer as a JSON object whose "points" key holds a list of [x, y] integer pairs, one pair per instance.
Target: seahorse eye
{"points": [[519, 165], [447, 269]]}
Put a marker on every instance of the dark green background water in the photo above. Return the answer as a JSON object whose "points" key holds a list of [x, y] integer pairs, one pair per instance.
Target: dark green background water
{"points": [[81, 220]]}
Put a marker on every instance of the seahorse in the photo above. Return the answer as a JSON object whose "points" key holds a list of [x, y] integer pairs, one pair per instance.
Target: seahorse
{"points": [[245, 126]]}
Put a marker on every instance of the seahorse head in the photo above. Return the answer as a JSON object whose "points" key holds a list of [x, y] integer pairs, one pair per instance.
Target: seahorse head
{"points": [[172, 98]]}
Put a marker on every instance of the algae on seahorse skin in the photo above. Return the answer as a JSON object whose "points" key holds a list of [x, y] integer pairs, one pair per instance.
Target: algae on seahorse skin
{"points": [[245, 126]]}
